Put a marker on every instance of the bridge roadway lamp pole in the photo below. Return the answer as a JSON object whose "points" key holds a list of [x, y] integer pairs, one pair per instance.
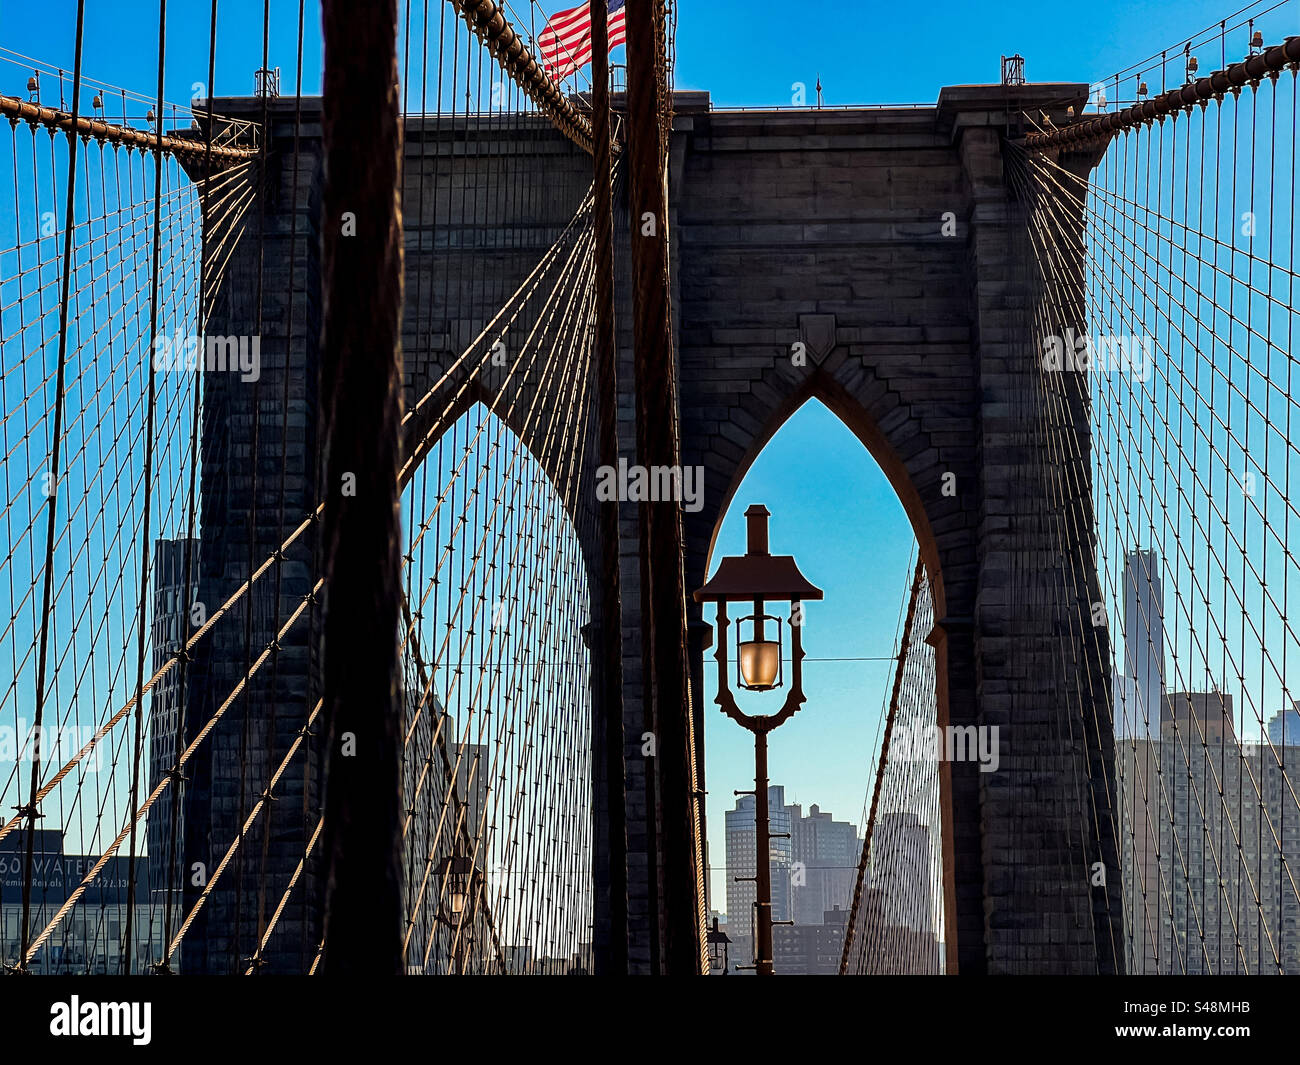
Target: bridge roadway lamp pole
{"points": [[459, 883], [758, 577], [719, 949]]}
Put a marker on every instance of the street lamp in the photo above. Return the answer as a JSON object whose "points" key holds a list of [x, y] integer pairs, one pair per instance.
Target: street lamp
{"points": [[459, 881], [719, 954], [758, 577]]}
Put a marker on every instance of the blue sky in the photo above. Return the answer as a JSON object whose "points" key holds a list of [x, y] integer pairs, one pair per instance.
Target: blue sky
{"points": [[891, 53], [864, 52]]}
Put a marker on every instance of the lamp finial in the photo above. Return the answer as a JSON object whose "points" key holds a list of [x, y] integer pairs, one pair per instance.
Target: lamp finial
{"points": [[756, 517]]}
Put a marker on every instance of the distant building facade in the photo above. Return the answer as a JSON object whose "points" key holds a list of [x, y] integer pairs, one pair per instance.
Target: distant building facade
{"points": [[811, 949], [814, 872], [825, 854], [174, 593], [1210, 834], [741, 894], [89, 939], [900, 868], [880, 947]]}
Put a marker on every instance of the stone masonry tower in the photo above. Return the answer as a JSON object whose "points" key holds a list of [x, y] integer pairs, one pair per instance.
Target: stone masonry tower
{"points": [[892, 245]]}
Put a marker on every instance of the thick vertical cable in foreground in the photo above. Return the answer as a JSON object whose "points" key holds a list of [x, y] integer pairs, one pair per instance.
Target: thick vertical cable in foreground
{"points": [[663, 596], [610, 656], [361, 399], [128, 941]]}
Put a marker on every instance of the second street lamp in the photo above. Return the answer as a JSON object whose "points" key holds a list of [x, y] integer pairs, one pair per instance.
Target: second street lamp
{"points": [[459, 884], [719, 942], [758, 577]]}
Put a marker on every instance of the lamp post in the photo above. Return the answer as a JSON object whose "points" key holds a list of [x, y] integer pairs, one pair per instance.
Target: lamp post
{"points": [[719, 948], [459, 880], [759, 577]]}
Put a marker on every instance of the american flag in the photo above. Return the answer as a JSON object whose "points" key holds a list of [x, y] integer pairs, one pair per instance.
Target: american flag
{"points": [[565, 44]]}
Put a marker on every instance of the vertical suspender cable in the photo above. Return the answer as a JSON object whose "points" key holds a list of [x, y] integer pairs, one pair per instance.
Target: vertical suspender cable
{"points": [[610, 657], [55, 457], [865, 854]]}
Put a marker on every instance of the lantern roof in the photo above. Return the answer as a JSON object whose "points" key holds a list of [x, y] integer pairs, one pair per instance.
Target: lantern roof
{"points": [[768, 577], [757, 574]]}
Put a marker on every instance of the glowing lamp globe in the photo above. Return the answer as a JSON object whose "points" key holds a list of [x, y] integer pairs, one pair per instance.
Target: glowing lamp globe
{"points": [[760, 664]]}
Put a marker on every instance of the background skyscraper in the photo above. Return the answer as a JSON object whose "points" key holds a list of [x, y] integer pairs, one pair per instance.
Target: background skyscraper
{"points": [[1284, 727], [900, 869], [1144, 646], [826, 854]]}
